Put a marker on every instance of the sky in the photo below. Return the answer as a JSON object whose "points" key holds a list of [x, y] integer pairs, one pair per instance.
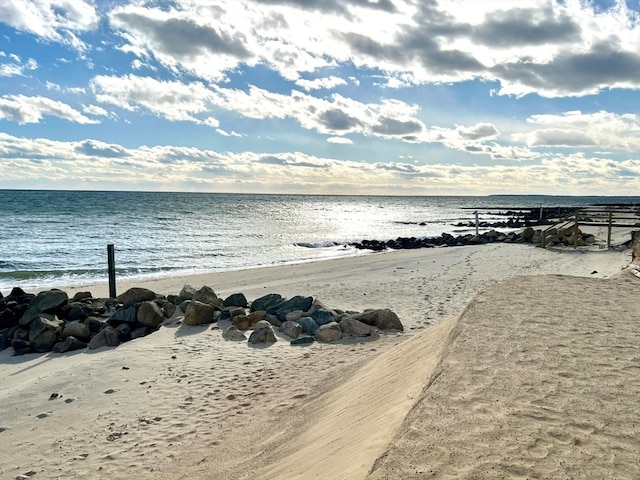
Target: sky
{"points": [[388, 97]]}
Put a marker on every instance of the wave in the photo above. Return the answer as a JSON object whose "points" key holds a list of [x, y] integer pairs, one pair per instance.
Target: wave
{"points": [[318, 244]]}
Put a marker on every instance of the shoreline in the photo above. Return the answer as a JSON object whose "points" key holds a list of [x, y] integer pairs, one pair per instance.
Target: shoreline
{"points": [[181, 402]]}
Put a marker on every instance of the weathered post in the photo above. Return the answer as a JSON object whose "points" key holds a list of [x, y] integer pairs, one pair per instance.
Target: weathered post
{"points": [[609, 230], [477, 223], [544, 239], [575, 231], [112, 270]]}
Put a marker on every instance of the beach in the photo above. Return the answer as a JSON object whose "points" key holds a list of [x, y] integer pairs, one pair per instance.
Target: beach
{"points": [[184, 403]]}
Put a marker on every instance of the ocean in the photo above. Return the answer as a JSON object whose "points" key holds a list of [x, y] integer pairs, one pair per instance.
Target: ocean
{"points": [[59, 238]]}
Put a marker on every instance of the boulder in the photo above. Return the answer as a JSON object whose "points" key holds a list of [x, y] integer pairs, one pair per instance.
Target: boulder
{"points": [[291, 329], [5, 338], [309, 325], [79, 311], [272, 319], [187, 292], [169, 309], [136, 295], [94, 324], [384, 319], [150, 314], [236, 300], [107, 337], [527, 234], [356, 328], [294, 316], [138, 332], [81, 296], [266, 301], [208, 296], [264, 334], [198, 313], [330, 332], [76, 329], [235, 311], [322, 316], [303, 341], [70, 343], [43, 302], [124, 332], [20, 347], [242, 322], [298, 302], [127, 315], [44, 332], [8, 318], [233, 334]]}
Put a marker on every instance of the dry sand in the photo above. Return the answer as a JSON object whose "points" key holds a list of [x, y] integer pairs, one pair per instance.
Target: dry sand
{"points": [[183, 403]]}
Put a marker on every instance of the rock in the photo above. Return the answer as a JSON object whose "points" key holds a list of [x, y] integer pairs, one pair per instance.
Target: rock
{"points": [[291, 329], [138, 332], [79, 311], [150, 314], [136, 295], [272, 319], [356, 328], [187, 292], [242, 322], [330, 332], [236, 300], [124, 332], [75, 329], [294, 316], [94, 324], [8, 318], [298, 302], [81, 296], [309, 325], [384, 319], [198, 313], [235, 311], [257, 316], [183, 305], [303, 341], [70, 343], [262, 335], [44, 332], [233, 334], [208, 296], [322, 316], [266, 301], [20, 347], [5, 338], [169, 309], [43, 302], [107, 337], [527, 234], [128, 315]]}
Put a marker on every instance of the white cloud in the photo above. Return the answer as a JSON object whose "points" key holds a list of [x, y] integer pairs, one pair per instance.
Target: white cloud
{"points": [[340, 140], [318, 83], [18, 68], [23, 109], [53, 20]]}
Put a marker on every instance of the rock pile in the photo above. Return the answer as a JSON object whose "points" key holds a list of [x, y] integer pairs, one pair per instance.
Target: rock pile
{"points": [[50, 321], [553, 237]]}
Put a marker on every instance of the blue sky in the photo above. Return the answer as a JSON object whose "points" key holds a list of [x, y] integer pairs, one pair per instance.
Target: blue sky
{"points": [[391, 97]]}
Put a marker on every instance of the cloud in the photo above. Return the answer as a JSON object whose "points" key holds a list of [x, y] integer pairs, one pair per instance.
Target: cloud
{"points": [[58, 21], [23, 109], [321, 83], [478, 132], [340, 140], [101, 149], [17, 67], [604, 130]]}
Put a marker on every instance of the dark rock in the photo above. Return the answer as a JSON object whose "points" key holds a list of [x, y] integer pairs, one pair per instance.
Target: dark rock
{"points": [[150, 314], [309, 325], [298, 302], [266, 301], [236, 300], [264, 334], [21, 333], [235, 311], [44, 332], [20, 347], [79, 311], [94, 324], [139, 332], [322, 316], [303, 341], [5, 338], [136, 295], [107, 337], [169, 309], [198, 313], [8, 318], [183, 305], [384, 319], [233, 334], [331, 332], [124, 332], [127, 315], [176, 299], [69, 344], [272, 319], [43, 302]]}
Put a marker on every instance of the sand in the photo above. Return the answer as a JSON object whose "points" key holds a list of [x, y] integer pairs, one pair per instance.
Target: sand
{"points": [[183, 403]]}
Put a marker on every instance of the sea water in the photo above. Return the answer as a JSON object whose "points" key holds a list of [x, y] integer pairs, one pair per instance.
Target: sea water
{"points": [[59, 238]]}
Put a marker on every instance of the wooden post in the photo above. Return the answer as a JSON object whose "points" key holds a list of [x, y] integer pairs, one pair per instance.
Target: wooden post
{"points": [[575, 231], [609, 230], [544, 239], [477, 223], [112, 270]]}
